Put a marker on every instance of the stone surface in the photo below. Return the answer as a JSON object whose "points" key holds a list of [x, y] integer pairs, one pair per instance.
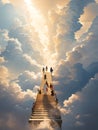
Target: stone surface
{"points": [[46, 108]]}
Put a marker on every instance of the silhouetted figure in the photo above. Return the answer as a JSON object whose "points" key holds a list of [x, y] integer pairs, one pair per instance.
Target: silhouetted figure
{"points": [[46, 68], [33, 106], [47, 84], [52, 93], [39, 91], [46, 89], [51, 86], [43, 70], [51, 70], [45, 76]]}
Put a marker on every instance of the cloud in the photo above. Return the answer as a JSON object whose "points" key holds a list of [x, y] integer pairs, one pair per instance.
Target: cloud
{"points": [[75, 76], [96, 1], [21, 30], [43, 5], [16, 100], [19, 4], [74, 56], [86, 19], [13, 88], [2, 59], [74, 73], [46, 5], [19, 94], [86, 51], [31, 61], [4, 75], [89, 12], [28, 80], [8, 17], [14, 51], [72, 80], [3, 39], [45, 125], [61, 38], [29, 41], [93, 68], [69, 19], [70, 100], [83, 113]]}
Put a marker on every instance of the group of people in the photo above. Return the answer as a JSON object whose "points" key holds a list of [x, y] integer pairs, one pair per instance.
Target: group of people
{"points": [[49, 87], [52, 91], [51, 69]]}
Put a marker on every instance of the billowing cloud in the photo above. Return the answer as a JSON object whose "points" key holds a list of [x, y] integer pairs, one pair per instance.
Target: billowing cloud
{"points": [[3, 39], [15, 100], [46, 5], [75, 72], [68, 19], [44, 125], [86, 52], [71, 100], [96, 1], [83, 114], [38, 33], [28, 80], [4, 74], [2, 59], [14, 51], [86, 19], [72, 78], [8, 17]]}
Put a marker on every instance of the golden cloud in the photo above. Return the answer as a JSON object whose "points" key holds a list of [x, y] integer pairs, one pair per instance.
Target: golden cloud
{"points": [[2, 59], [4, 75], [71, 99], [86, 19]]}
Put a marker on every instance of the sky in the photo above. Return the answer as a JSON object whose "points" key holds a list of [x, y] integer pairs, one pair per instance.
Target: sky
{"points": [[62, 34]]}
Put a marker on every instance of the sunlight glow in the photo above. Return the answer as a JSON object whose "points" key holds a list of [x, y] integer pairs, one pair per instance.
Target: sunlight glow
{"points": [[39, 23], [5, 1]]}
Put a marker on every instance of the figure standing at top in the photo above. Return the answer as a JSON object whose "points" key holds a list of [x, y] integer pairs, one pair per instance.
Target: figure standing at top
{"points": [[46, 68], [47, 80], [51, 70], [43, 70]]}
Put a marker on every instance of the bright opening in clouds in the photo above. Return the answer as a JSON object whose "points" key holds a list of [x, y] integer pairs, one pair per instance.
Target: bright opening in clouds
{"points": [[62, 34], [38, 21]]}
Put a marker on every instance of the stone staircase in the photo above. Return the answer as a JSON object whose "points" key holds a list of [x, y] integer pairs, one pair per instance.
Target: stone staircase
{"points": [[45, 108]]}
